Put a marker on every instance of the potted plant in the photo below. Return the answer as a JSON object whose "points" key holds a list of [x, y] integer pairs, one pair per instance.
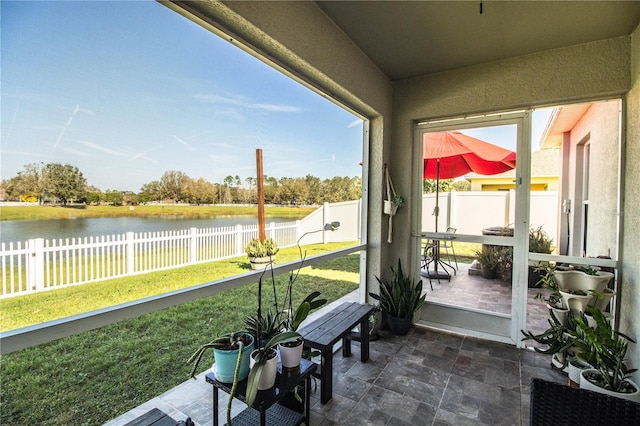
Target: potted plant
{"points": [[231, 354], [291, 351], [557, 341], [607, 349], [261, 253], [400, 297], [539, 242], [554, 298], [489, 259]]}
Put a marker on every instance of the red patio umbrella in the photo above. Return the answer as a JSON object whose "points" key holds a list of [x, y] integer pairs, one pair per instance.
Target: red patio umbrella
{"points": [[452, 154]]}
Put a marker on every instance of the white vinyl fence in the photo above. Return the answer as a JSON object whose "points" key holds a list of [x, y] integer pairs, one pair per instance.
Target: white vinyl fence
{"points": [[38, 264]]}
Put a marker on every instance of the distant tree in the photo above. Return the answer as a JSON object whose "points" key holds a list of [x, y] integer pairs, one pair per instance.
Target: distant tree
{"points": [[462, 185], [429, 185], [32, 181], [150, 192], [201, 191], [173, 185], [113, 197], [293, 191], [65, 182]]}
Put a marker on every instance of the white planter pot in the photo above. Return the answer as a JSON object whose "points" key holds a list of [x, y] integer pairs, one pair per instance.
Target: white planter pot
{"points": [[601, 304], [561, 314], [557, 360], [259, 263], [575, 369], [586, 384], [269, 372], [290, 356], [577, 303], [577, 280]]}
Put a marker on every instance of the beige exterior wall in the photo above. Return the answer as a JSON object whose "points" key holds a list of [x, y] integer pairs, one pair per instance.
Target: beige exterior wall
{"points": [[599, 129]]}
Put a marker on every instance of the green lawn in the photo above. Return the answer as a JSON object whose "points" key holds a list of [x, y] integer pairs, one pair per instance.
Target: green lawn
{"points": [[92, 377]]}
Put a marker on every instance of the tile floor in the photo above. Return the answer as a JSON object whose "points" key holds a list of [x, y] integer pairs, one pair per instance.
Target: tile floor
{"points": [[425, 378]]}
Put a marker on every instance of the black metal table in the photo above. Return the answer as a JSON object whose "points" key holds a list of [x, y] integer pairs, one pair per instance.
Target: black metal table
{"points": [[265, 409]]}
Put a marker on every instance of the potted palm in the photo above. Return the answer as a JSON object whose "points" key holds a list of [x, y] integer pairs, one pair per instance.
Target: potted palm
{"points": [[489, 259], [607, 350], [261, 253], [400, 297]]}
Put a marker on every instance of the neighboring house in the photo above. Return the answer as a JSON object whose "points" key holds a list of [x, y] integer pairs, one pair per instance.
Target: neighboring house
{"points": [[588, 138], [544, 174]]}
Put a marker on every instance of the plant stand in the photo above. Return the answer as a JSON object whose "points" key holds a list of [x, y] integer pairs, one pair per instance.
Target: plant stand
{"points": [[266, 409]]}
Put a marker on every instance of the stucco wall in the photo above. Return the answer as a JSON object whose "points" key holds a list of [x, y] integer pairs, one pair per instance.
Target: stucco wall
{"points": [[630, 286], [600, 127]]}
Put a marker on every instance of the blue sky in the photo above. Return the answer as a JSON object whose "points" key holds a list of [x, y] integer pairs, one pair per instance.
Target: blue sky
{"points": [[126, 91]]}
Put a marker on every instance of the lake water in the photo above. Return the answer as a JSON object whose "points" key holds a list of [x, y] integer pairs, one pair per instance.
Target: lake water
{"points": [[22, 230]]}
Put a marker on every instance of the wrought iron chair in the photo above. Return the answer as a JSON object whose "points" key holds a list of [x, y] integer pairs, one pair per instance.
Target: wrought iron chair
{"points": [[448, 244]]}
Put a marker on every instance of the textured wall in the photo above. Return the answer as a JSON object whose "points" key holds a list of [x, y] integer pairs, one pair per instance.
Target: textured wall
{"points": [[599, 126], [630, 309]]}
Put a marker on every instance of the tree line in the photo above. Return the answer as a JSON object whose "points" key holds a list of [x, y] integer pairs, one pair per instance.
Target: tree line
{"points": [[63, 184]]}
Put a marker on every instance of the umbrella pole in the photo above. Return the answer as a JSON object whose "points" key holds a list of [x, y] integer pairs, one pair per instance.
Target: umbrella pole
{"points": [[436, 243]]}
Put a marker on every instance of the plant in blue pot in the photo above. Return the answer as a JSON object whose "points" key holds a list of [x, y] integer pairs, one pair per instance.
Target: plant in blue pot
{"points": [[231, 354]]}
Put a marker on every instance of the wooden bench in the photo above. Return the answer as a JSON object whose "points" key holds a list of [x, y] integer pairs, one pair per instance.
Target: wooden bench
{"points": [[323, 333]]}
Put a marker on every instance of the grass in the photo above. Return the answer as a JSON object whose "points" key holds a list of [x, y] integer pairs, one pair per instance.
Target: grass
{"points": [[185, 211], [92, 377]]}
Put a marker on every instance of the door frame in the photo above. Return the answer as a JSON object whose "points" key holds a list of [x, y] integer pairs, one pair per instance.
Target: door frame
{"points": [[483, 324]]}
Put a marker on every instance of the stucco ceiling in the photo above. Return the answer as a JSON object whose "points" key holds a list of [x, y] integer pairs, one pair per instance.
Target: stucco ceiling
{"points": [[409, 39]]}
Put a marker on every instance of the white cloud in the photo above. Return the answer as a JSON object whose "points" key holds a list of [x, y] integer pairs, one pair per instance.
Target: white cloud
{"points": [[275, 108], [101, 148], [183, 142], [216, 99]]}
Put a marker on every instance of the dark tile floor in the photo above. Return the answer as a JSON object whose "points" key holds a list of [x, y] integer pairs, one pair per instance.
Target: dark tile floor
{"points": [[434, 378]]}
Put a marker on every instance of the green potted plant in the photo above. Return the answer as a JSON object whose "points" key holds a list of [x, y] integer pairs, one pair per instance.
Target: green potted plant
{"points": [[539, 242], [231, 354], [488, 258], [557, 341], [607, 350], [400, 297], [261, 253]]}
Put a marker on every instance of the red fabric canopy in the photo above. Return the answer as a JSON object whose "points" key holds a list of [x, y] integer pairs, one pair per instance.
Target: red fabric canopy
{"points": [[460, 154]]}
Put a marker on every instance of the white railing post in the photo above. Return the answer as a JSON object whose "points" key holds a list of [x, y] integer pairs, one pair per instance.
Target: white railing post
{"points": [[239, 248], [35, 277], [193, 245], [272, 230], [130, 248]]}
